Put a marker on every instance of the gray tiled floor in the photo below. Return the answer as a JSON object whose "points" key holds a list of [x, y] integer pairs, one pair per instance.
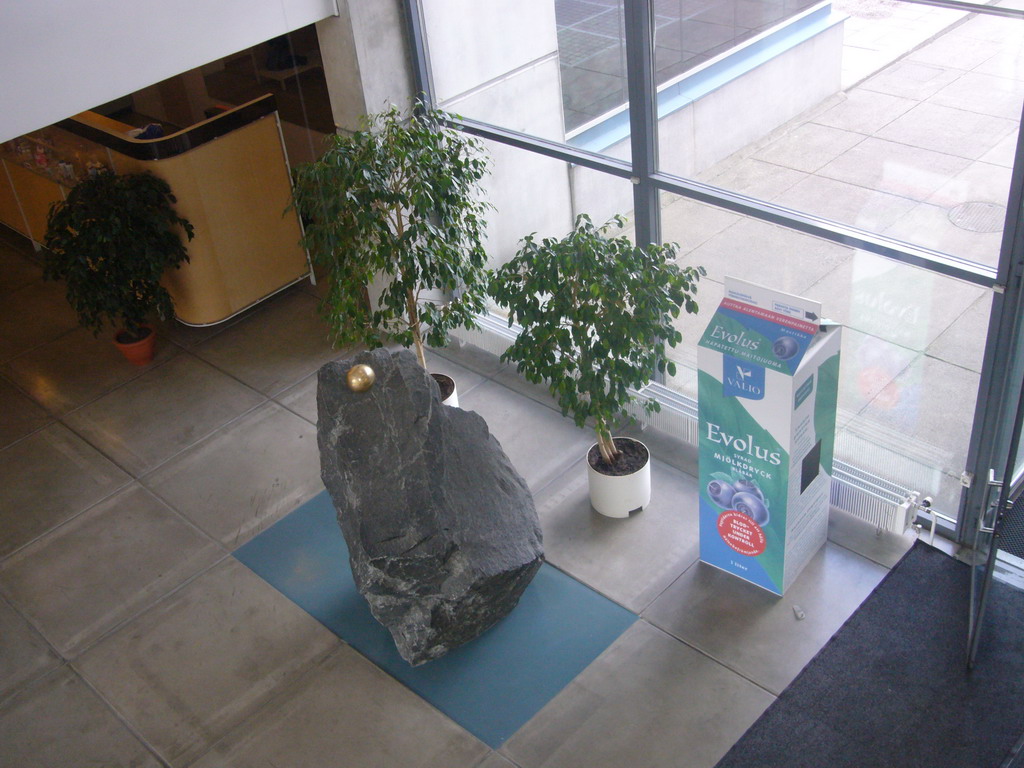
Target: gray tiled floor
{"points": [[130, 637]]}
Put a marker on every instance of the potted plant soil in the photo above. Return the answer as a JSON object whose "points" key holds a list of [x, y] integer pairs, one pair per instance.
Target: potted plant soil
{"points": [[111, 241], [398, 207], [597, 313]]}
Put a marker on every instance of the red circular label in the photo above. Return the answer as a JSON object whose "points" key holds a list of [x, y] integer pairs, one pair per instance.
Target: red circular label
{"points": [[741, 533]]}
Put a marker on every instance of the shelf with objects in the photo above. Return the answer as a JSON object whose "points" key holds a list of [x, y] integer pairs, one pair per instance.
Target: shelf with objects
{"points": [[230, 176]]}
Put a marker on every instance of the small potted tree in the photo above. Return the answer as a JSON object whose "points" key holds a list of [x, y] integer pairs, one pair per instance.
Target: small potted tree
{"points": [[111, 241], [597, 313], [398, 207]]}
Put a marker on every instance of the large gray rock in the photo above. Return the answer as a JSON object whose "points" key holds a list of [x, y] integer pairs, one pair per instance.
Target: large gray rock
{"points": [[442, 532]]}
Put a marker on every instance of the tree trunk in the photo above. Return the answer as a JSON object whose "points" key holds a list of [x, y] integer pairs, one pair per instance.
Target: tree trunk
{"points": [[606, 445], [414, 325]]}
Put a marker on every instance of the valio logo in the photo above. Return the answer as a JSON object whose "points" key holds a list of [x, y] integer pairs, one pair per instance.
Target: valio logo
{"points": [[742, 379]]}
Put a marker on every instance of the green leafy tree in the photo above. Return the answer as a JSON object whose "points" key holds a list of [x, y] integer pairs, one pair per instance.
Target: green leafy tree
{"points": [[597, 313], [111, 241], [399, 201]]}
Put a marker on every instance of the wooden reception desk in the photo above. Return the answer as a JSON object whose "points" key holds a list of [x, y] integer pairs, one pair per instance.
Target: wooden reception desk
{"points": [[229, 174]]}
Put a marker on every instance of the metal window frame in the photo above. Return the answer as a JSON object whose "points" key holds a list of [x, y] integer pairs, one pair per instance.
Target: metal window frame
{"points": [[1003, 362]]}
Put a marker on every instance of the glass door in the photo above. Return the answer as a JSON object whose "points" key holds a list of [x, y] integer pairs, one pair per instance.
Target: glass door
{"points": [[997, 529]]}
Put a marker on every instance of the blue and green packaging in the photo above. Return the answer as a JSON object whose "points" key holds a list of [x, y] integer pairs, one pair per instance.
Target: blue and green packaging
{"points": [[768, 378]]}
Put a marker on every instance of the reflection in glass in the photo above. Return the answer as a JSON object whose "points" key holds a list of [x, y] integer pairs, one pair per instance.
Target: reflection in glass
{"points": [[904, 122], [912, 340]]}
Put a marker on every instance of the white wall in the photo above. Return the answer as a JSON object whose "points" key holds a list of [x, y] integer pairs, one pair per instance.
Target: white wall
{"points": [[61, 57]]}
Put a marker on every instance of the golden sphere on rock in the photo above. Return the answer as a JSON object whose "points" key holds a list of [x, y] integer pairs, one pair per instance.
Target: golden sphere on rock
{"points": [[360, 377]]}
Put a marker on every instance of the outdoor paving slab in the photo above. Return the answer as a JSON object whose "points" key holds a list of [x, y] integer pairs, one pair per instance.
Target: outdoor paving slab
{"points": [[846, 203], [984, 94], [898, 169], [865, 111], [911, 80], [766, 254], [947, 129], [952, 52], [929, 225], [808, 147], [963, 343], [901, 304]]}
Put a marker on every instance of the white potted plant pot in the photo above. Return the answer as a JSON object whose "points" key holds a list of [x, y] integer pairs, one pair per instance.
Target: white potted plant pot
{"points": [[444, 383], [619, 495]]}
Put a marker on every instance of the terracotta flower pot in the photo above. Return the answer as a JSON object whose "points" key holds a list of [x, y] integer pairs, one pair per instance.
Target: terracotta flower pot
{"points": [[137, 352]]}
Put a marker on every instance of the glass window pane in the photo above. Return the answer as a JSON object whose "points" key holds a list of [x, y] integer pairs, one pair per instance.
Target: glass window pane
{"points": [[912, 340], [897, 118]]}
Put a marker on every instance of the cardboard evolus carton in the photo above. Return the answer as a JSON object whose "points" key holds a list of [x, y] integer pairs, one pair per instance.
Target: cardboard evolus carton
{"points": [[768, 378]]}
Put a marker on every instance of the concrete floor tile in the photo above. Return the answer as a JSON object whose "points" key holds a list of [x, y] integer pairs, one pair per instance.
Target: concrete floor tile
{"points": [[648, 701], [464, 378], [206, 659], [77, 368], [155, 416], [900, 170], [81, 580], [950, 130], [33, 502], [301, 398], [19, 415], [809, 146], [631, 560], [471, 357], [275, 348], [24, 654], [347, 706], [244, 477], [756, 633], [58, 722], [538, 441], [35, 314], [18, 272], [495, 760], [868, 540]]}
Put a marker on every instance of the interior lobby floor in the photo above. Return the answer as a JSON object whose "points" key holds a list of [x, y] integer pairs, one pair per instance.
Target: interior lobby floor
{"points": [[131, 636]]}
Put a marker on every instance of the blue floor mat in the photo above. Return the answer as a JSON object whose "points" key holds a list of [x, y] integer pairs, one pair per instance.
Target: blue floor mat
{"points": [[490, 686]]}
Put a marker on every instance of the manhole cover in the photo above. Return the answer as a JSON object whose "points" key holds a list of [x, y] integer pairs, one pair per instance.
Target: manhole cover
{"points": [[978, 216]]}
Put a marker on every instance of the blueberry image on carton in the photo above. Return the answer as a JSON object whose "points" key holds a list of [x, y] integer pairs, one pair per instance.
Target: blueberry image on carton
{"points": [[751, 506], [721, 493], [785, 348]]}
